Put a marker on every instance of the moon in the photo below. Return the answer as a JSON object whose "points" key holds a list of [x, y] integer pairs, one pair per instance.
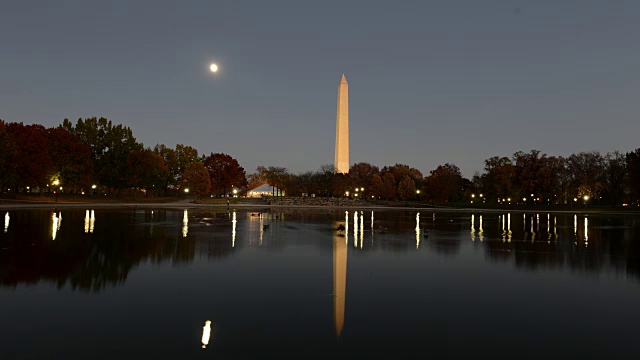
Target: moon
{"points": [[213, 68]]}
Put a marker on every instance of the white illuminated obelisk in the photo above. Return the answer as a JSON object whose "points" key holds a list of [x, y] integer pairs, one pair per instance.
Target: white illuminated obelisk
{"points": [[341, 164]]}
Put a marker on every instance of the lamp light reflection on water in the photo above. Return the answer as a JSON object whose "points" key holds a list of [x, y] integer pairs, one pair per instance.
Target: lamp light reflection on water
{"points": [[346, 227], [261, 229], [233, 230], [185, 224], [361, 228], [417, 230], [206, 333], [89, 221], [355, 229], [586, 233], [55, 225], [6, 222]]}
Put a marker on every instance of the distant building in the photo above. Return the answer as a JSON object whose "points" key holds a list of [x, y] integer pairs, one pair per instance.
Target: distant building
{"points": [[265, 190]]}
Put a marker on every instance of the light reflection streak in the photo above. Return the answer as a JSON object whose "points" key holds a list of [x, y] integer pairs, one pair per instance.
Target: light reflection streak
{"points": [[55, 226], [261, 229], [575, 228], [206, 333], [417, 230], [339, 280], [533, 233], [6, 222], [233, 230], [372, 221], [346, 227], [89, 220], [185, 224], [480, 231], [509, 233], [361, 229], [355, 229], [473, 227], [586, 232]]}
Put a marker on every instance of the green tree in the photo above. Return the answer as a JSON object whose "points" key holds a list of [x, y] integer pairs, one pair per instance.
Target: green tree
{"points": [[110, 147]]}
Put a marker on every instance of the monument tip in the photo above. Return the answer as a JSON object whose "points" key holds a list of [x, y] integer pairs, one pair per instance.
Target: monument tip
{"points": [[344, 79]]}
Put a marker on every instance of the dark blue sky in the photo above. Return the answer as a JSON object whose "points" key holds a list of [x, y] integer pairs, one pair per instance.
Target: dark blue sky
{"points": [[430, 81]]}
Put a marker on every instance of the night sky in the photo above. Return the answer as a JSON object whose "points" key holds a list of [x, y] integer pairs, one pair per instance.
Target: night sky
{"points": [[430, 82]]}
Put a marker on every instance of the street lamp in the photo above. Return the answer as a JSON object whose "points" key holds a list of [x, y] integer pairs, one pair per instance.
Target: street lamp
{"points": [[186, 190], [361, 189], [418, 192]]}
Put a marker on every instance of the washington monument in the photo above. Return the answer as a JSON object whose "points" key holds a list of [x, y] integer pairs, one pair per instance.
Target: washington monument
{"points": [[341, 164]]}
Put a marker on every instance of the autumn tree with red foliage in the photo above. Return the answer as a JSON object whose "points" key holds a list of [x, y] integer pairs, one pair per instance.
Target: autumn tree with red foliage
{"points": [[32, 161], [444, 184], [225, 173], [196, 179], [147, 170], [71, 159], [7, 156]]}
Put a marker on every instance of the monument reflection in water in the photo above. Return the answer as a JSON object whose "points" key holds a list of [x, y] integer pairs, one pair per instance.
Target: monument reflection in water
{"points": [[260, 282]]}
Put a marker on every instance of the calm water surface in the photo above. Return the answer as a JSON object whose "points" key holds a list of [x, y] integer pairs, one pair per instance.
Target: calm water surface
{"points": [[86, 284]]}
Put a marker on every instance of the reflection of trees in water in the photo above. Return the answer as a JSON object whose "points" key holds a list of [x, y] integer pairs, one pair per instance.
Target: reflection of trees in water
{"points": [[121, 241], [611, 243]]}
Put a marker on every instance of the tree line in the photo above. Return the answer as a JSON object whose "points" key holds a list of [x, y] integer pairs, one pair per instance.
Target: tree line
{"points": [[96, 155], [526, 178], [96, 152]]}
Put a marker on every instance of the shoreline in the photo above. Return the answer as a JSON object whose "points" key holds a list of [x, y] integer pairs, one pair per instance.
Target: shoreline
{"points": [[181, 205]]}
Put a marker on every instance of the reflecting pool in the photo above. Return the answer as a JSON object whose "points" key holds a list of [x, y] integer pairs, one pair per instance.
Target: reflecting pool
{"points": [[294, 283]]}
